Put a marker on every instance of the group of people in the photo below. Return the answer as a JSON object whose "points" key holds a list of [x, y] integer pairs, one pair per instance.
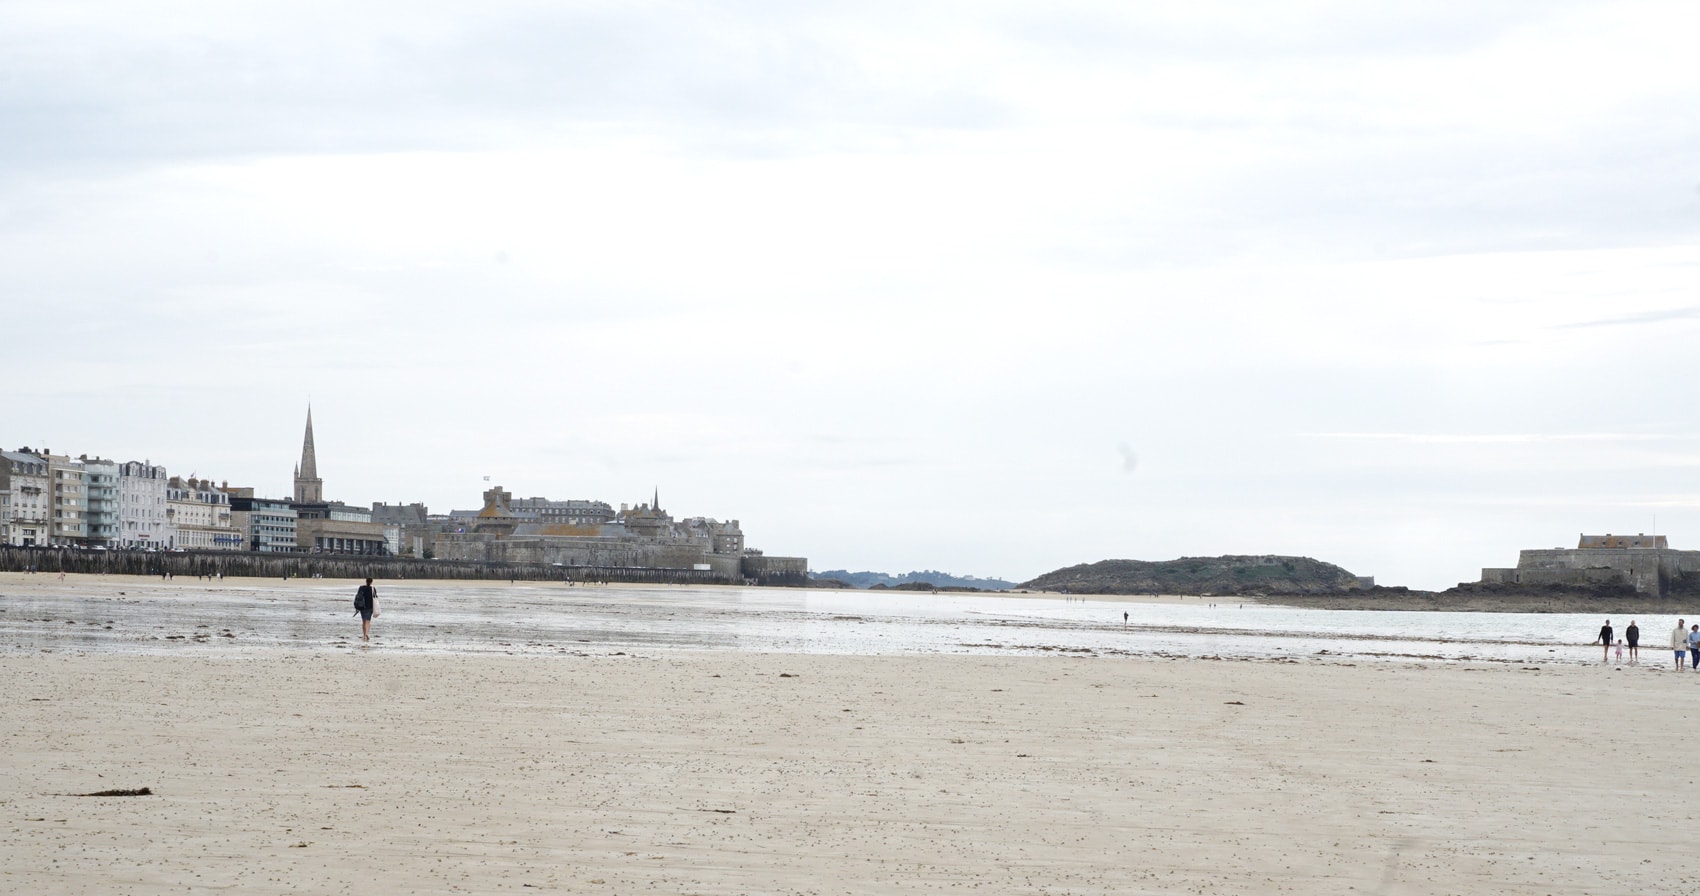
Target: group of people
{"points": [[1684, 643]]}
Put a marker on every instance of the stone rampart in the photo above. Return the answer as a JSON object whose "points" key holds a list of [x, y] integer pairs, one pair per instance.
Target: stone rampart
{"points": [[765, 570], [680, 554], [1648, 570]]}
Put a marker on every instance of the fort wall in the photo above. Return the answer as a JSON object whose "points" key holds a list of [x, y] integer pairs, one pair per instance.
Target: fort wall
{"points": [[1649, 571], [766, 570]]}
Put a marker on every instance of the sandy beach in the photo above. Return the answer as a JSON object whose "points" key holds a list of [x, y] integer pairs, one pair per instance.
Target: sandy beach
{"points": [[349, 769]]}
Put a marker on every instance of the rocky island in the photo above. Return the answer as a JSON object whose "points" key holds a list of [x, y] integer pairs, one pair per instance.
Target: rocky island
{"points": [[1306, 582]]}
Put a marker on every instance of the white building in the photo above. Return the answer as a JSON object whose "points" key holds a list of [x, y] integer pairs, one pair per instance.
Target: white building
{"points": [[101, 484], [25, 475], [200, 512], [142, 521]]}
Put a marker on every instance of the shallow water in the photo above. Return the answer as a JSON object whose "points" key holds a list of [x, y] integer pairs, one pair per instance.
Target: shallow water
{"points": [[237, 616]]}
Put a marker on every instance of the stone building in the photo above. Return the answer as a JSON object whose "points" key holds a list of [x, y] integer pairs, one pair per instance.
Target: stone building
{"points": [[412, 523], [570, 513], [336, 528], [332, 527], [1642, 562], [23, 474], [199, 511], [643, 537], [1640, 540]]}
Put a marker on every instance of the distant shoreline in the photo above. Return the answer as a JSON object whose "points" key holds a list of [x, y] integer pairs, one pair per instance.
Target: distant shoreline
{"points": [[1426, 601], [1417, 602]]}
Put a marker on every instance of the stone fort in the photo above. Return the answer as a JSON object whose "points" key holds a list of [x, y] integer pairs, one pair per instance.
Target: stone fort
{"points": [[1643, 562]]}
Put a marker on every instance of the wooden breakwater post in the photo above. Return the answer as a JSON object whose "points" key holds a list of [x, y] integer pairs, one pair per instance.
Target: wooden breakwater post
{"points": [[250, 564]]}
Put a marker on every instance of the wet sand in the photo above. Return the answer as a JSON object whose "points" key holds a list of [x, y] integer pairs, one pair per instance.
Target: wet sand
{"points": [[1420, 601], [585, 764], [373, 770]]}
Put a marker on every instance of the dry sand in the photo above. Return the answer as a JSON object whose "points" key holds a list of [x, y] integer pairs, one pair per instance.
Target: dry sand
{"points": [[374, 772]]}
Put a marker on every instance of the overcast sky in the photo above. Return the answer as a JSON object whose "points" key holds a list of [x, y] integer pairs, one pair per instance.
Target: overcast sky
{"points": [[992, 288]]}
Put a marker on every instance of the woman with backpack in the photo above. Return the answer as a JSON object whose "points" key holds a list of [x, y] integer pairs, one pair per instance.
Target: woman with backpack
{"points": [[366, 604]]}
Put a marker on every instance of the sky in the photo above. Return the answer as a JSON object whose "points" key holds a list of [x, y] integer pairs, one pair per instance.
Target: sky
{"points": [[992, 288]]}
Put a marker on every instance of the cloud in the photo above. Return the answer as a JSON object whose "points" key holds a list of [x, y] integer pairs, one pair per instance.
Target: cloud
{"points": [[1499, 438], [1662, 316], [1231, 34], [92, 91]]}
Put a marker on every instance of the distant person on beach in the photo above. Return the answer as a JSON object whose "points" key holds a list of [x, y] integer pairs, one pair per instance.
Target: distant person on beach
{"points": [[1620, 650], [1633, 635], [1605, 639], [366, 604], [1694, 646], [1679, 642]]}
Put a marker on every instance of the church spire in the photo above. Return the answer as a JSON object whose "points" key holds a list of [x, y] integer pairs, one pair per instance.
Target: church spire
{"points": [[309, 488], [309, 468]]}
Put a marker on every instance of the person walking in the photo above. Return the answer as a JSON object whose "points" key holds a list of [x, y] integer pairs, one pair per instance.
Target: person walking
{"points": [[1632, 636], [1694, 646], [1605, 639], [366, 604], [1679, 642]]}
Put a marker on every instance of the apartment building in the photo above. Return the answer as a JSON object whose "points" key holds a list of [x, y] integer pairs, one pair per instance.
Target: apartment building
{"points": [[24, 475], [568, 513], [200, 512], [267, 524], [142, 520], [100, 478], [67, 495]]}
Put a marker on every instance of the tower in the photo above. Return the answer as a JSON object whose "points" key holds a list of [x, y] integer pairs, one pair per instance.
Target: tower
{"points": [[309, 488]]}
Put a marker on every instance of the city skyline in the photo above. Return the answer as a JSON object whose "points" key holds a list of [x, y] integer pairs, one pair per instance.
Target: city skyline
{"points": [[990, 290]]}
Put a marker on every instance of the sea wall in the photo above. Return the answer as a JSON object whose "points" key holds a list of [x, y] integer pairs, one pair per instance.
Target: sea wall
{"points": [[590, 551], [764, 570], [332, 566], [1649, 571]]}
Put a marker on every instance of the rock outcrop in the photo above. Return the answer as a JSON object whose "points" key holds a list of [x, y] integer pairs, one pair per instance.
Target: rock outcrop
{"points": [[1248, 576]]}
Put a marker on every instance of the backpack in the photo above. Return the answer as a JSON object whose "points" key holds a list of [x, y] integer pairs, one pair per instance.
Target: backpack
{"points": [[363, 599]]}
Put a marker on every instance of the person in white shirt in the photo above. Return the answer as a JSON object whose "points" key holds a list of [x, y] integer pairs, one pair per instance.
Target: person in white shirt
{"points": [[1679, 642]]}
